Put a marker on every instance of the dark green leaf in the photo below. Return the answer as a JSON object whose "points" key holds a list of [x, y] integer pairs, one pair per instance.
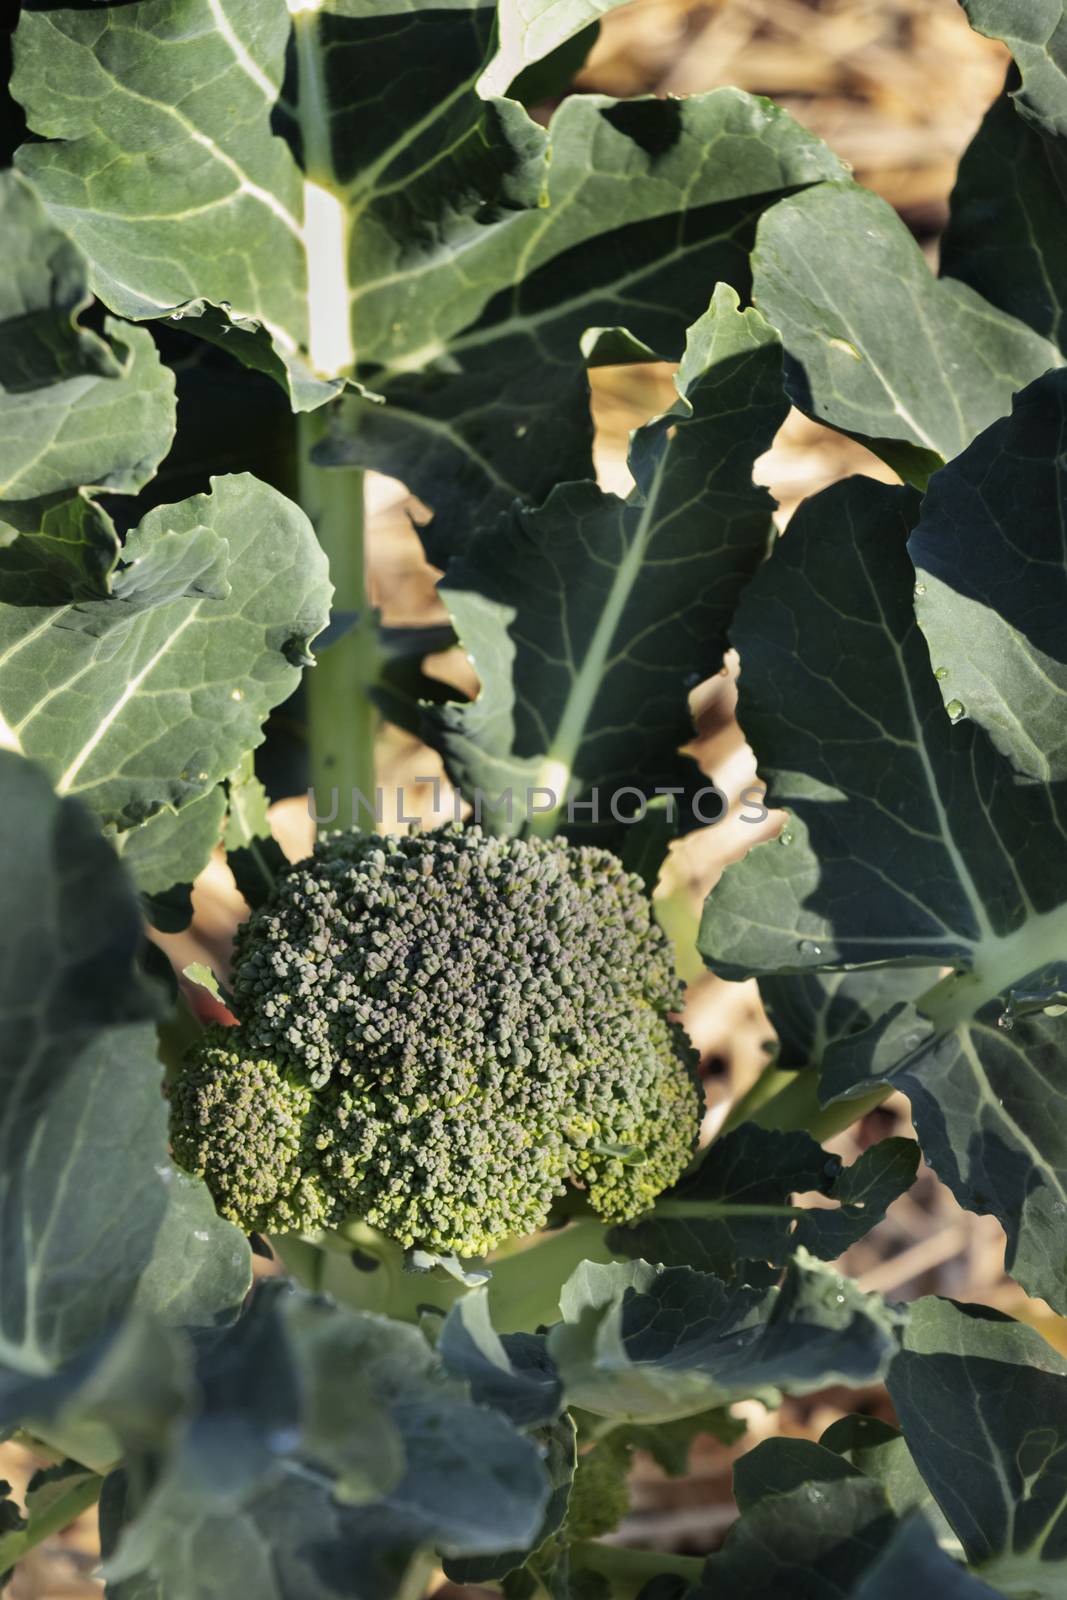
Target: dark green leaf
{"points": [[1007, 229], [737, 1206], [937, 854], [876, 345], [512, 1374], [94, 1219], [590, 618], [986, 596], [78, 412], [829, 1541], [647, 1344], [983, 1404], [811, 1011], [778, 1466]]}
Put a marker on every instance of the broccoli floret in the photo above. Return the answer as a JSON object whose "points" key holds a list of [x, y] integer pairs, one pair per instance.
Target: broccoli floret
{"points": [[437, 1034]]}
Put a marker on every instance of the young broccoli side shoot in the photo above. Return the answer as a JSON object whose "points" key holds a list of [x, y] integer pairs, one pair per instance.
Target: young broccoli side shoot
{"points": [[436, 1034]]}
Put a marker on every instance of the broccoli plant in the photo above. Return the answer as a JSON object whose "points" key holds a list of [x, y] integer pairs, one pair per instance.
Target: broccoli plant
{"points": [[445, 1098]]}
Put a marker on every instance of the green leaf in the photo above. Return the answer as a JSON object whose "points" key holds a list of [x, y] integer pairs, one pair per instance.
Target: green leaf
{"points": [[253, 854], [590, 618], [320, 1442], [778, 1466], [983, 1404], [649, 1344], [880, 1451], [670, 1443], [938, 853], [149, 696], [811, 1011], [170, 850], [986, 596], [94, 1219], [78, 412], [529, 30], [558, 1445], [513, 1373], [876, 346], [462, 239], [1034, 32], [55, 1497], [827, 1540], [736, 1207], [1007, 234]]}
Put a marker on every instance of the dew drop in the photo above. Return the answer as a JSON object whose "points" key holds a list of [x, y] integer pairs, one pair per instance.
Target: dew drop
{"points": [[201, 777], [808, 947], [920, 590], [199, 1233], [785, 837], [237, 694], [840, 1299], [941, 674], [955, 711], [521, 430], [1006, 1021], [225, 305]]}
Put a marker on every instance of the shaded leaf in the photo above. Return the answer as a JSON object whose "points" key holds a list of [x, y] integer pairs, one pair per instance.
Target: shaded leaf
{"points": [[78, 411], [941, 854], [988, 595], [1007, 234], [590, 618], [737, 1206], [983, 1404], [93, 1218], [648, 1344]]}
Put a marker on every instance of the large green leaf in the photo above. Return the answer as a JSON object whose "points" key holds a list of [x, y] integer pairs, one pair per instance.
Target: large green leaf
{"points": [[832, 1538], [983, 1404], [590, 618], [811, 1011], [436, 246], [1007, 229], [910, 841], [78, 411], [991, 559], [1035, 32], [326, 1454], [149, 696], [736, 1206], [876, 345], [94, 1220], [644, 1343]]}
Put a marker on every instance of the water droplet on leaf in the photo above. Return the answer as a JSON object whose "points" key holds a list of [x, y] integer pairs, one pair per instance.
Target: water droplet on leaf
{"points": [[808, 947], [920, 590], [941, 674], [955, 710], [785, 837]]}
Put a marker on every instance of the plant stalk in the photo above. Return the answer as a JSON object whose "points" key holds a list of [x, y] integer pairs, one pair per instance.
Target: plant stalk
{"points": [[627, 1571], [362, 1268], [796, 1106], [62, 1511], [342, 719]]}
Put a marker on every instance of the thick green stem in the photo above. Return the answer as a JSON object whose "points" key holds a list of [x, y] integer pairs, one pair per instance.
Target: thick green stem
{"points": [[769, 1083], [627, 1571], [342, 720], [796, 1106], [362, 1268]]}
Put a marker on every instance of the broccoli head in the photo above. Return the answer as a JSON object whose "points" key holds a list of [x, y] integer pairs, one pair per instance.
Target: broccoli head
{"points": [[438, 1034]]}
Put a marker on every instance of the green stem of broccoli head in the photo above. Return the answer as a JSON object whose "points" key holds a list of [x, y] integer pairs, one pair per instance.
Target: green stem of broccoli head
{"points": [[360, 1267]]}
